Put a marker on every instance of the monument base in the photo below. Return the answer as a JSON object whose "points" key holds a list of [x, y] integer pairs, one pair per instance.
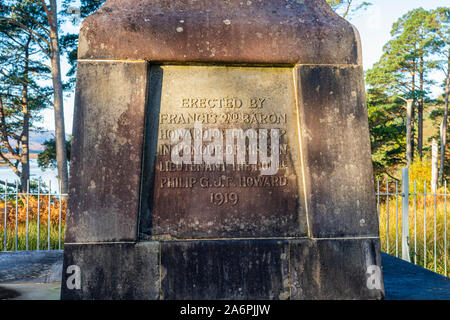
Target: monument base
{"points": [[225, 269]]}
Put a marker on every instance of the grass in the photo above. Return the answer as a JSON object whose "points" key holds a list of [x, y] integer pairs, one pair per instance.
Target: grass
{"points": [[26, 208], [32, 237], [427, 228], [391, 227]]}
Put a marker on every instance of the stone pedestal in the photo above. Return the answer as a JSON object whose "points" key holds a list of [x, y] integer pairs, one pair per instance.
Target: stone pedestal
{"points": [[141, 226]]}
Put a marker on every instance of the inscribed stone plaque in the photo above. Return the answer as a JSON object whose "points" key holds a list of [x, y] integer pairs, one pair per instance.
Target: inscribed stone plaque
{"points": [[209, 188]]}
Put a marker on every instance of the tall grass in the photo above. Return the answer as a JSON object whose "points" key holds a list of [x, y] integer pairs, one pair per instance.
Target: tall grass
{"points": [[429, 221], [22, 214], [32, 237], [427, 229]]}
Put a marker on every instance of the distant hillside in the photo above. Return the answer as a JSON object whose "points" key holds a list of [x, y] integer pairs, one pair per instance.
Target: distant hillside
{"points": [[37, 139]]}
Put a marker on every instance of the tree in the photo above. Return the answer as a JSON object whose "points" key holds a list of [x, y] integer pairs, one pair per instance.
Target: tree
{"points": [[413, 42], [22, 94], [389, 84], [436, 117], [403, 68], [387, 131], [346, 8], [70, 41], [47, 158], [45, 35], [55, 57], [439, 23]]}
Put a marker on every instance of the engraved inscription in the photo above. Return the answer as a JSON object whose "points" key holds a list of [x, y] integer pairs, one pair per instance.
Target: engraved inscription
{"points": [[227, 160]]}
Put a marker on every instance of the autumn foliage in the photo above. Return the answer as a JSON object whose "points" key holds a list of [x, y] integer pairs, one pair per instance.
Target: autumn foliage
{"points": [[31, 205]]}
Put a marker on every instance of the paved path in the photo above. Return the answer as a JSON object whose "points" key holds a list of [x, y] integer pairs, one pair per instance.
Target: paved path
{"points": [[406, 281], [31, 266], [31, 291]]}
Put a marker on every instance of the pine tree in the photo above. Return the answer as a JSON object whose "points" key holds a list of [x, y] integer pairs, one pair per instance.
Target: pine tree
{"points": [[413, 45], [22, 94], [439, 23], [45, 33], [346, 8], [403, 68], [387, 131]]}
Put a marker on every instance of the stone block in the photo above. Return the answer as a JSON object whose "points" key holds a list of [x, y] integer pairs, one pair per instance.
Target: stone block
{"points": [[264, 32], [106, 160], [334, 128], [112, 271]]}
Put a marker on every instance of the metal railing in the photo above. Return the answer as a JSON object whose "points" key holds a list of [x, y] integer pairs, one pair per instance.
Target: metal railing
{"points": [[429, 226], [32, 218]]}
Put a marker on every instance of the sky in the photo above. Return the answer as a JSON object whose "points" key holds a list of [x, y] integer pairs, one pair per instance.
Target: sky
{"points": [[375, 23], [374, 26]]}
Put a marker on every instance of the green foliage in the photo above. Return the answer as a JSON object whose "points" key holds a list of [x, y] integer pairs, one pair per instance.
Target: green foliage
{"points": [[21, 60], [347, 8], [34, 186], [398, 69], [23, 76], [69, 42], [438, 22], [402, 71], [435, 115], [32, 237], [387, 132], [47, 158], [87, 7]]}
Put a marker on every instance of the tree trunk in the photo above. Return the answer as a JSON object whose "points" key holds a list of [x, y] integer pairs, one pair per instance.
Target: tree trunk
{"points": [[5, 140], [25, 156], [444, 125], [434, 166], [349, 3], [420, 127], [409, 109], [61, 156], [420, 112], [413, 131], [413, 89]]}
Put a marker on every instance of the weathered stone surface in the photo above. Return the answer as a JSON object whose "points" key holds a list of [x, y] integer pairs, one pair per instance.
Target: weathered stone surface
{"points": [[113, 271], [225, 269], [106, 161], [268, 32], [270, 269], [222, 200], [334, 269], [320, 232], [254, 269], [402, 281], [336, 151]]}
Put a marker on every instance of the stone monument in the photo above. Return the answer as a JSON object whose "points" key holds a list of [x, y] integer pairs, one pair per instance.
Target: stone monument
{"points": [[220, 151]]}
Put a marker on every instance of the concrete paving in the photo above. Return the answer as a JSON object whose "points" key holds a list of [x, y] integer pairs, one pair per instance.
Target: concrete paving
{"points": [[406, 281], [31, 266], [31, 291]]}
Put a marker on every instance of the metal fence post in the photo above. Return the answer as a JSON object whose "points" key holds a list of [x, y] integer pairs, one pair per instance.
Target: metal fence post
{"points": [[405, 214]]}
